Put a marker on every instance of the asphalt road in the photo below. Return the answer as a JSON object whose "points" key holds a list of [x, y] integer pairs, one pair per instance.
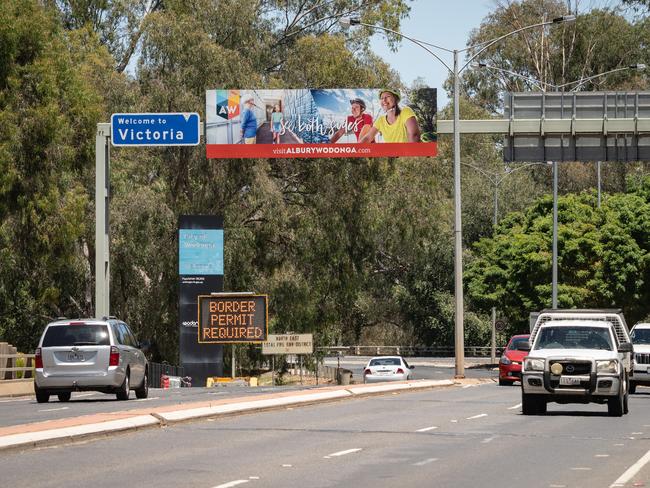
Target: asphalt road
{"points": [[21, 410], [454, 436]]}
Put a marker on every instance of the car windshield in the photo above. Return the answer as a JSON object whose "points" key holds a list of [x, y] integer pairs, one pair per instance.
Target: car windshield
{"points": [[574, 338], [640, 336], [385, 362], [76, 335], [514, 343]]}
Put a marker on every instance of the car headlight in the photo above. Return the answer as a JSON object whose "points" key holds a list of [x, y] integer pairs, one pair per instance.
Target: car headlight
{"points": [[608, 366], [531, 364], [505, 360]]}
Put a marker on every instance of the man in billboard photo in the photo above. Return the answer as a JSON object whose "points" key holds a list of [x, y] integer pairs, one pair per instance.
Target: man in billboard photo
{"points": [[359, 122], [249, 122], [397, 125]]}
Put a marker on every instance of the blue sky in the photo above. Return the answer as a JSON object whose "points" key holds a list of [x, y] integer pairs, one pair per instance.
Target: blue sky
{"points": [[442, 22], [448, 24]]}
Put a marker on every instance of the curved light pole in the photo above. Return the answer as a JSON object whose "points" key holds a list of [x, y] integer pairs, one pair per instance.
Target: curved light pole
{"points": [[459, 342]]}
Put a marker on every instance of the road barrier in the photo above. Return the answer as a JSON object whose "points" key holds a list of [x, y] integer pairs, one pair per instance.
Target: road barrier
{"points": [[409, 351], [15, 365]]}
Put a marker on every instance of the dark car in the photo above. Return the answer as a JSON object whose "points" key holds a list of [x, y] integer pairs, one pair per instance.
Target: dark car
{"points": [[511, 359]]}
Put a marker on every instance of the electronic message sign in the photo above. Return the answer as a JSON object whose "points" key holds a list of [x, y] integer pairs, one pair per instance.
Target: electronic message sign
{"points": [[320, 123], [233, 318]]}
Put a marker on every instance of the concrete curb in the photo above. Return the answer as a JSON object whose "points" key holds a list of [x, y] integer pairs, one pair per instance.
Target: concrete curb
{"points": [[158, 417]]}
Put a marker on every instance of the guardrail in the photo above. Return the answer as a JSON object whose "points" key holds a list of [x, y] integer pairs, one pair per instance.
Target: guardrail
{"points": [[409, 351], [9, 370]]}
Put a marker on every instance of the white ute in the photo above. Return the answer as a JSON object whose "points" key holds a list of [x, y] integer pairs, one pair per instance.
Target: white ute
{"points": [[640, 335], [577, 356]]}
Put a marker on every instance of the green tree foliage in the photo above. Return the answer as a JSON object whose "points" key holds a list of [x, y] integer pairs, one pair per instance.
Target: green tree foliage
{"points": [[603, 257], [48, 110]]}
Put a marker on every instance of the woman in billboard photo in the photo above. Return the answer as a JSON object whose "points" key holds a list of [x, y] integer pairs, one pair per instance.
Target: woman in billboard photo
{"points": [[277, 124], [359, 122], [397, 125]]}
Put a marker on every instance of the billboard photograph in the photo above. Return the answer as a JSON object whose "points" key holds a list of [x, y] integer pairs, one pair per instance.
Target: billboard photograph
{"points": [[321, 123]]}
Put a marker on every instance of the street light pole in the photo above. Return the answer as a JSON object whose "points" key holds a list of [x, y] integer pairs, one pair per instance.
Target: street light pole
{"points": [[458, 238], [554, 259]]}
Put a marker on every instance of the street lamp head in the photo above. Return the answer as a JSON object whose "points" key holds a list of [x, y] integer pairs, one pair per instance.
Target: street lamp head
{"points": [[564, 18], [348, 21]]}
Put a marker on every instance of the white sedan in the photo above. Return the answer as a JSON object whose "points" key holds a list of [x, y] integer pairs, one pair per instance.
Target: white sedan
{"points": [[387, 368]]}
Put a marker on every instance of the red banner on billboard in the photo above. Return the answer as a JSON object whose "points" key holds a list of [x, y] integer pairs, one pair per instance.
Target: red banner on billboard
{"points": [[336, 123]]}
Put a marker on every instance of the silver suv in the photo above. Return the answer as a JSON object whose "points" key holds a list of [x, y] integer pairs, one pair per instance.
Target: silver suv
{"points": [[89, 354]]}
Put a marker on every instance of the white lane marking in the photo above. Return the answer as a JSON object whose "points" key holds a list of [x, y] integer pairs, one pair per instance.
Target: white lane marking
{"points": [[601, 455], [632, 471], [148, 399], [253, 477], [619, 445], [556, 486], [342, 453], [468, 386], [16, 400], [515, 406], [82, 395], [580, 468], [477, 416], [426, 429], [489, 439], [287, 465], [230, 484], [425, 461], [54, 409], [637, 433]]}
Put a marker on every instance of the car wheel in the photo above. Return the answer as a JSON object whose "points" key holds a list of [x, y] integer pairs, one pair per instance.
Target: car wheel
{"points": [[42, 396], [123, 392], [143, 390], [504, 382], [533, 404], [65, 396], [615, 405], [632, 387], [626, 396]]}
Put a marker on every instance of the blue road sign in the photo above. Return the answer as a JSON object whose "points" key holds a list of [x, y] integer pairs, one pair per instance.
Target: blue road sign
{"points": [[165, 129]]}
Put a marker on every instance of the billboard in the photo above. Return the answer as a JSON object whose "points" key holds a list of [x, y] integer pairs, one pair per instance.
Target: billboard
{"points": [[323, 123]]}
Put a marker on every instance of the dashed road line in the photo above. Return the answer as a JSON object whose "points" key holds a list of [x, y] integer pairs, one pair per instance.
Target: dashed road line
{"points": [[515, 406], [426, 429], [424, 462], [54, 409], [489, 439], [230, 484], [477, 416], [342, 453]]}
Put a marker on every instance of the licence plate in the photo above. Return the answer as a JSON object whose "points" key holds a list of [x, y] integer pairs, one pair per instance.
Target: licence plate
{"points": [[569, 381], [76, 356]]}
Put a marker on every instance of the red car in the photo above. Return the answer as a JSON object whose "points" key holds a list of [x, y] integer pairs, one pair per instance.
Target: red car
{"points": [[511, 359]]}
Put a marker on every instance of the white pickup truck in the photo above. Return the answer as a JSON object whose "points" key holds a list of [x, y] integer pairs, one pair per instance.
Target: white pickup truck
{"points": [[577, 356]]}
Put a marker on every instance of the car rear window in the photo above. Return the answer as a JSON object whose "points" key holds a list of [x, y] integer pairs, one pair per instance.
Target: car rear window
{"points": [[385, 362], [76, 335]]}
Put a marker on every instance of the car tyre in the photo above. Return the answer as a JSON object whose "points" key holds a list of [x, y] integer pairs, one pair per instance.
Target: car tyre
{"points": [[533, 404], [42, 396], [632, 387], [504, 382], [615, 405], [65, 396], [143, 390], [123, 392]]}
